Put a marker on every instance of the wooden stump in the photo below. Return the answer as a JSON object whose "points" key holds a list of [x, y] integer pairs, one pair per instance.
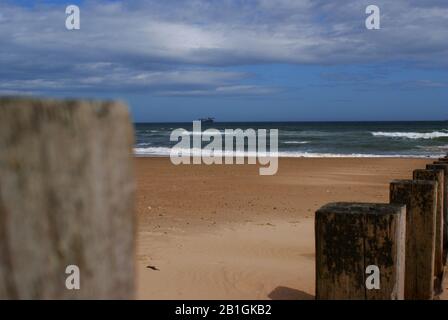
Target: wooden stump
{"points": [[349, 238], [443, 167], [66, 198], [420, 198], [436, 175]]}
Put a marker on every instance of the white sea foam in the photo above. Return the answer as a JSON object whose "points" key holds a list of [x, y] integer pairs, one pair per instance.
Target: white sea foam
{"points": [[152, 151], [143, 144], [205, 133], [411, 135], [164, 151], [295, 142], [349, 155]]}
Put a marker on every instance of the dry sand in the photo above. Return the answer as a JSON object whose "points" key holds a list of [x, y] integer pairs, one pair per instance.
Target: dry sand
{"points": [[225, 232]]}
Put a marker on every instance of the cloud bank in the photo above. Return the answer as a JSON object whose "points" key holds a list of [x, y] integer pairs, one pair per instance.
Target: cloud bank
{"points": [[195, 48]]}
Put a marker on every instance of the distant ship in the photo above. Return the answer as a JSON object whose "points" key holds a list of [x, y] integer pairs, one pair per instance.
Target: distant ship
{"points": [[207, 120]]}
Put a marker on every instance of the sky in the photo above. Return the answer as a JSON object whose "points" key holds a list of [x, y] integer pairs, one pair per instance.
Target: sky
{"points": [[235, 60]]}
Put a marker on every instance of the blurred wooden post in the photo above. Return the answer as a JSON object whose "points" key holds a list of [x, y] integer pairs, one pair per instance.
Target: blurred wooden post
{"points": [[443, 167], [66, 198], [420, 198], [349, 238], [436, 175]]}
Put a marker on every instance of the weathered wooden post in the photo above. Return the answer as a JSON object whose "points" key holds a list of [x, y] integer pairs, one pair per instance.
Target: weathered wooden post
{"points": [[66, 199], [443, 167], [350, 237], [436, 175], [420, 198]]}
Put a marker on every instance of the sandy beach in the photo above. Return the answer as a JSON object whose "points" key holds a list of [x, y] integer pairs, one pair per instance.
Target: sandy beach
{"points": [[225, 232]]}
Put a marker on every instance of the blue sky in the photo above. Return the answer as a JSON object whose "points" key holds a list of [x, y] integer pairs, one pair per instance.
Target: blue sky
{"points": [[260, 60]]}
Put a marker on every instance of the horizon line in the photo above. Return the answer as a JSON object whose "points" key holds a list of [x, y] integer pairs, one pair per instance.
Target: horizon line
{"points": [[291, 121]]}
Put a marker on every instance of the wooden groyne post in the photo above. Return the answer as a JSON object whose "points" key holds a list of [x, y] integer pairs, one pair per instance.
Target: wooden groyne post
{"points": [[352, 237], [66, 199], [444, 167], [436, 175], [420, 198]]}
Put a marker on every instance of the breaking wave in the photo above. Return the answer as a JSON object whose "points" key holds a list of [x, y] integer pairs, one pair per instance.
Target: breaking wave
{"points": [[163, 152], [411, 135]]}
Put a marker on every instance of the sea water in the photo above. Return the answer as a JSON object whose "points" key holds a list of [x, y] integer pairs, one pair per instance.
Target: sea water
{"points": [[319, 139]]}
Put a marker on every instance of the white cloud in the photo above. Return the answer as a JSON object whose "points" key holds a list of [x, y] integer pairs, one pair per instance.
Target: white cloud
{"points": [[152, 44], [241, 90]]}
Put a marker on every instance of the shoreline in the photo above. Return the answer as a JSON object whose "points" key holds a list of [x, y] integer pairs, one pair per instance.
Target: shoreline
{"points": [[404, 157]]}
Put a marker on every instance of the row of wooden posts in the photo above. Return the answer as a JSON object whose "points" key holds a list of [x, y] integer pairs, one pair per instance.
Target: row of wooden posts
{"points": [[406, 241]]}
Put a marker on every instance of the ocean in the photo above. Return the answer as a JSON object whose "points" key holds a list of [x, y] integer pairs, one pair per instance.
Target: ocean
{"points": [[319, 139]]}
